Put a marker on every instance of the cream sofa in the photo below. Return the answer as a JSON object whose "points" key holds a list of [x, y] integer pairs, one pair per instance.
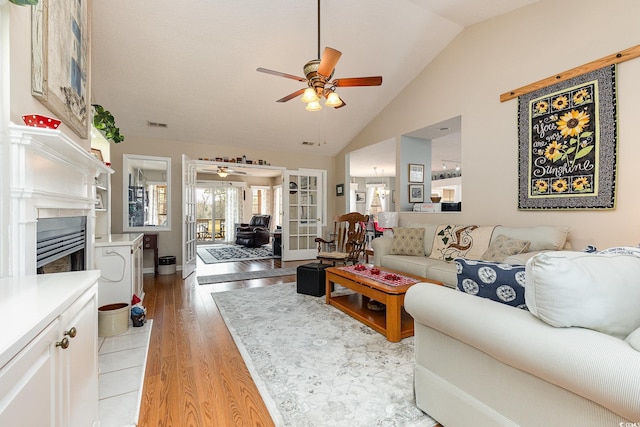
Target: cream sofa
{"points": [[483, 363], [541, 238]]}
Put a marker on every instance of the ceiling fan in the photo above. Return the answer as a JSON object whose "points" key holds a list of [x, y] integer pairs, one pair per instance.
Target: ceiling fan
{"points": [[318, 74], [224, 171]]}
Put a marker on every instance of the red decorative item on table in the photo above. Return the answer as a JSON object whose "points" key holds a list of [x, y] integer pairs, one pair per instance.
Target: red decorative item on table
{"points": [[38, 121], [359, 267], [392, 277], [375, 271]]}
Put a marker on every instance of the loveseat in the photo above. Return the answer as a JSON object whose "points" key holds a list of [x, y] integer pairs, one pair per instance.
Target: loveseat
{"points": [[416, 253], [571, 359]]}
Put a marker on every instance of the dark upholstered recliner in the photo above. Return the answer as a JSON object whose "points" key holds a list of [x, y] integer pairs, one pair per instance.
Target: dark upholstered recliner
{"points": [[256, 233]]}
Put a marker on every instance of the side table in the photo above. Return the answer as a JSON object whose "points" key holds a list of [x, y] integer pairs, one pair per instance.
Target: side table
{"points": [[150, 241]]}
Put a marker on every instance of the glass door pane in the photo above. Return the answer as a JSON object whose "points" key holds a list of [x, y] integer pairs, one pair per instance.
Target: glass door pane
{"points": [[302, 215], [204, 213]]}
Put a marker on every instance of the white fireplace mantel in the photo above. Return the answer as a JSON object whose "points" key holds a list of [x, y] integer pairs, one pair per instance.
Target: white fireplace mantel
{"points": [[50, 175]]}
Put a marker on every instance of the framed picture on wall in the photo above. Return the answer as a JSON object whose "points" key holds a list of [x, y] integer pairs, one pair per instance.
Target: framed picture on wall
{"points": [[360, 196], [340, 190], [416, 193], [60, 59], [97, 154], [416, 173]]}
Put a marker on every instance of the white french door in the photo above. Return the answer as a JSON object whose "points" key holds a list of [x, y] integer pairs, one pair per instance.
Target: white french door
{"points": [[303, 203], [189, 217]]}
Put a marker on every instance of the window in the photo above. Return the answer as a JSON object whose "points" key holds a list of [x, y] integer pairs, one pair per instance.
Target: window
{"points": [[260, 200]]}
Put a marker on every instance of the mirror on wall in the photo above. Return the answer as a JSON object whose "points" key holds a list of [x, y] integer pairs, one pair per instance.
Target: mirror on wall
{"points": [[146, 193]]}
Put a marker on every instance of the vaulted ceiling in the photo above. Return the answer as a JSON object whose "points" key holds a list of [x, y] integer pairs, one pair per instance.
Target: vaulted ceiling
{"points": [[192, 65]]}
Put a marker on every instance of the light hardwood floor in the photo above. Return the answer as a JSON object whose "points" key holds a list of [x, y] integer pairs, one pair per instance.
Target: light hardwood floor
{"points": [[195, 375]]}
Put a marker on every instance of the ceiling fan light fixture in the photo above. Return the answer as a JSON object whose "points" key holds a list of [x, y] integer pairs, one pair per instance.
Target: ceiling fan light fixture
{"points": [[222, 174], [333, 100], [313, 106], [309, 96]]}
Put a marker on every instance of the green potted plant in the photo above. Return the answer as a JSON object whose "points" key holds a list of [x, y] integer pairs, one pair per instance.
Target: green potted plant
{"points": [[104, 121]]}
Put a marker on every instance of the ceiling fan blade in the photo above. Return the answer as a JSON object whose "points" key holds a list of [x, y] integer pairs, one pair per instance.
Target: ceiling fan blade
{"points": [[291, 95], [278, 73], [358, 81], [329, 60]]}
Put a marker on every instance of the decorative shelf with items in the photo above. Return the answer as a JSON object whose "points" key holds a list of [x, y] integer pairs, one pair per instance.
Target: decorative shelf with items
{"points": [[103, 202], [100, 149]]}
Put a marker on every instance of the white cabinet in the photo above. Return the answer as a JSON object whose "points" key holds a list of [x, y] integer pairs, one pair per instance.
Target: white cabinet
{"points": [[28, 385], [137, 260], [119, 259], [48, 355], [79, 361]]}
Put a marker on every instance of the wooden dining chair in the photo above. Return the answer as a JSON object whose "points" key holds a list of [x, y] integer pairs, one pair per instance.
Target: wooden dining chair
{"points": [[348, 240]]}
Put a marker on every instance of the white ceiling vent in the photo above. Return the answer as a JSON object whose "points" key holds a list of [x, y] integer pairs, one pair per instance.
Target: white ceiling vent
{"points": [[308, 143]]}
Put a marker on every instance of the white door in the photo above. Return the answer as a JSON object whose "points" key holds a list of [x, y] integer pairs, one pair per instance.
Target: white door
{"points": [[303, 202], [189, 247]]}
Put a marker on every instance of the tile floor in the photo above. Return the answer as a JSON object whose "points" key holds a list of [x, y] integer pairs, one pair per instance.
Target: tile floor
{"points": [[122, 360]]}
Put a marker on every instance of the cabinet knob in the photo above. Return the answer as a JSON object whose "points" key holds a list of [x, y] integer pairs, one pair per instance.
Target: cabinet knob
{"points": [[72, 332], [64, 343]]}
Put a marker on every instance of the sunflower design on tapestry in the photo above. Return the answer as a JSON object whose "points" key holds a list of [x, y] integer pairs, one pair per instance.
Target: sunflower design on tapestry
{"points": [[541, 186], [563, 143], [567, 142]]}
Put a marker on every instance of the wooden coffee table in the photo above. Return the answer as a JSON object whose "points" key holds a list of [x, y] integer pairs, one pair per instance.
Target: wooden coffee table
{"points": [[393, 322]]}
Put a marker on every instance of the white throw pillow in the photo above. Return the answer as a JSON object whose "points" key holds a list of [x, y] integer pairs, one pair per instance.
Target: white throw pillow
{"points": [[588, 290], [542, 237], [634, 339]]}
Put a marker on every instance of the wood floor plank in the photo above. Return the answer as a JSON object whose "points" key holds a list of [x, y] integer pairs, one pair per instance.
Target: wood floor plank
{"points": [[169, 399]]}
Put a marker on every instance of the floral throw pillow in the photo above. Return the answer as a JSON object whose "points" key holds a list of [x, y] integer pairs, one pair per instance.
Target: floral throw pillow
{"points": [[408, 241], [503, 283]]}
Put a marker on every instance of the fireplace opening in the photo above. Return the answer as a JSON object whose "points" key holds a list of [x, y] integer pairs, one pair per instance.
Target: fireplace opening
{"points": [[60, 244]]}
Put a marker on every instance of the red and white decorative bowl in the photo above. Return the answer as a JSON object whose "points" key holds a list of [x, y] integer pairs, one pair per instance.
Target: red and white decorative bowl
{"points": [[39, 121]]}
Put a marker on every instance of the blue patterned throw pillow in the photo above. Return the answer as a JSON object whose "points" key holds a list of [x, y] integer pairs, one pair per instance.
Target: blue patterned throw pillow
{"points": [[498, 282]]}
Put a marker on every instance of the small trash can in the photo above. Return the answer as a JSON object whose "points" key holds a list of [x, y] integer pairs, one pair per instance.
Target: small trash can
{"points": [[167, 265], [113, 319]]}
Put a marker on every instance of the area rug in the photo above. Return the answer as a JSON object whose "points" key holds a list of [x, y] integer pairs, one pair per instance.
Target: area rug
{"points": [[246, 275], [316, 366], [211, 254]]}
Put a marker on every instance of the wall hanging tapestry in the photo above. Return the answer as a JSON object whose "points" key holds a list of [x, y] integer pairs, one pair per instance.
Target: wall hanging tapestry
{"points": [[568, 143]]}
